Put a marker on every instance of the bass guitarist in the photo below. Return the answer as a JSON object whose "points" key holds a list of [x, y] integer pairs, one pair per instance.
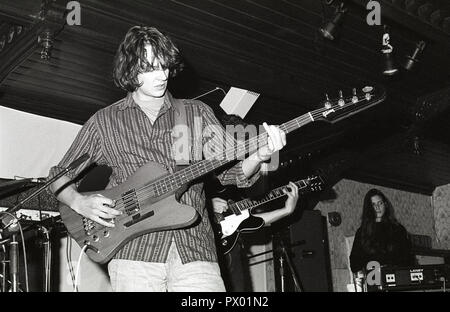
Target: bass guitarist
{"points": [[134, 131]]}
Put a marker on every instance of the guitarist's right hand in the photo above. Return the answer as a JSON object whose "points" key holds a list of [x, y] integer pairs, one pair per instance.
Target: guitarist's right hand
{"points": [[97, 208], [219, 204]]}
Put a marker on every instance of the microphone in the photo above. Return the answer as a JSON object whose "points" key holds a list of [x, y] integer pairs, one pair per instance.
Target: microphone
{"points": [[7, 220]]}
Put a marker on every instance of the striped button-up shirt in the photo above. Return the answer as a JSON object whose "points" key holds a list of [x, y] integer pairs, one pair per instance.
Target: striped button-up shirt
{"points": [[122, 137]]}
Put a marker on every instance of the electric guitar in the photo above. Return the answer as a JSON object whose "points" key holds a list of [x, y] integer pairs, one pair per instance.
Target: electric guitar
{"points": [[238, 217], [149, 197]]}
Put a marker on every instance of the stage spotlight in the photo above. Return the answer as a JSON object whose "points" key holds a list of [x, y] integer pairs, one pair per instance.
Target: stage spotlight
{"points": [[388, 57], [329, 29], [45, 39], [411, 60]]}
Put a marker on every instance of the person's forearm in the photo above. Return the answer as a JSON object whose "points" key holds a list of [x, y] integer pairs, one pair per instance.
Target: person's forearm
{"points": [[95, 207], [273, 216], [251, 165], [69, 194]]}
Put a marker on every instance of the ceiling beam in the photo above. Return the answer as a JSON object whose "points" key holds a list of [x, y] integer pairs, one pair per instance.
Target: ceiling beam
{"points": [[23, 12], [28, 30], [411, 20]]}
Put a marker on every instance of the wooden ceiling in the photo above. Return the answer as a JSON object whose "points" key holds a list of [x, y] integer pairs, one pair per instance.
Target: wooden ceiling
{"points": [[272, 47]]}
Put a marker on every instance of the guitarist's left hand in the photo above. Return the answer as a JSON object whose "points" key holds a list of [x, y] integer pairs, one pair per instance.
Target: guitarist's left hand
{"points": [[276, 140], [291, 201]]}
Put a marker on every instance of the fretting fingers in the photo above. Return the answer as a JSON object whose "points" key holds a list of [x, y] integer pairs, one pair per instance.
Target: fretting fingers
{"points": [[291, 190], [294, 188], [269, 137], [276, 137]]}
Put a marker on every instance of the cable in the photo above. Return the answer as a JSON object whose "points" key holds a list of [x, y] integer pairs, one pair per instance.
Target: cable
{"points": [[24, 258], [215, 89], [49, 263], [3, 262], [69, 259], [77, 273], [47, 246], [1, 276]]}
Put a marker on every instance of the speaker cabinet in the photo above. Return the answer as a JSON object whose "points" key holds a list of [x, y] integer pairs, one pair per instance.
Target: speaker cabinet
{"points": [[306, 247]]}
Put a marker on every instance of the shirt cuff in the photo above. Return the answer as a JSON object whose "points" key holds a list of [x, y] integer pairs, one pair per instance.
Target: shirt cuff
{"points": [[54, 171], [241, 179]]}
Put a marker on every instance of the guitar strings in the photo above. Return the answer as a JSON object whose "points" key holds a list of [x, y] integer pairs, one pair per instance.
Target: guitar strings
{"points": [[166, 184], [160, 186], [140, 193], [208, 165], [265, 199]]}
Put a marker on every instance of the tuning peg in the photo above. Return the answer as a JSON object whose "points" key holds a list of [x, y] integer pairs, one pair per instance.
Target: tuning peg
{"points": [[341, 101], [367, 91], [354, 97], [327, 102]]}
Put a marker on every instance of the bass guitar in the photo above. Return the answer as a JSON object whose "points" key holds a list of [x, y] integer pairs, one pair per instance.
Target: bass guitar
{"points": [[149, 197]]}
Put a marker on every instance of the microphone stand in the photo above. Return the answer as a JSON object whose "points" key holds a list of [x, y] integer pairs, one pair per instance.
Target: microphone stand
{"points": [[14, 262], [285, 256], [280, 254], [47, 257], [13, 225], [3, 287], [9, 220]]}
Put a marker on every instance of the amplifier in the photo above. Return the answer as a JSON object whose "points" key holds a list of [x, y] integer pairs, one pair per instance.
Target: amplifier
{"points": [[418, 277], [33, 214]]}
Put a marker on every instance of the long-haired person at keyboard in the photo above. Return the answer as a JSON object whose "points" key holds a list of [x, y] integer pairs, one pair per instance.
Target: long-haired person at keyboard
{"points": [[380, 237]]}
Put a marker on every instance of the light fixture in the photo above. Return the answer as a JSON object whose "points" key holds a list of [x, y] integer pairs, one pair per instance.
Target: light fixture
{"points": [[329, 29], [45, 40], [411, 60], [388, 58]]}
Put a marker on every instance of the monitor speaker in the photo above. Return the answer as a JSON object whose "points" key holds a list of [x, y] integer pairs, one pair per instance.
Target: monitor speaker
{"points": [[306, 244]]}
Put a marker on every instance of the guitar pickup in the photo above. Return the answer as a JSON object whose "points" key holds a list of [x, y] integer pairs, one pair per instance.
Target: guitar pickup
{"points": [[138, 217]]}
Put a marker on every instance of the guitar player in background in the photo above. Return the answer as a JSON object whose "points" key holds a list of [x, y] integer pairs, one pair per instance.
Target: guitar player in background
{"points": [[136, 130], [234, 263], [220, 205]]}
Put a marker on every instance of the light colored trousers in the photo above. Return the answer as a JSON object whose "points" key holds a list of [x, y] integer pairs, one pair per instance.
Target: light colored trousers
{"points": [[173, 276]]}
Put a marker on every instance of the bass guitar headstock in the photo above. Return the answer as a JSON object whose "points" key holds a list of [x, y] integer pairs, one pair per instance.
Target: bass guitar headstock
{"points": [[334, 110]]}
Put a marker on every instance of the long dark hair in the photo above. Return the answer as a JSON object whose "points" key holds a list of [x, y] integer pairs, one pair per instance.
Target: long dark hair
{"points": [[131, 57], [369, 242]]}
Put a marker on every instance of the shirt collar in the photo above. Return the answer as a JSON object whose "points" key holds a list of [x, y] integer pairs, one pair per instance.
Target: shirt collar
{"points": [[128, 102]]}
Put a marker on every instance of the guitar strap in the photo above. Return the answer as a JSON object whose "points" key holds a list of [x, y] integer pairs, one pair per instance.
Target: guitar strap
{"points": [[187, 141]]}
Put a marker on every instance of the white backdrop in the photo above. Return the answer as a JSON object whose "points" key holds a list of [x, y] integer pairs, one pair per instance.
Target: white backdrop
{"points": [[31, 144]]}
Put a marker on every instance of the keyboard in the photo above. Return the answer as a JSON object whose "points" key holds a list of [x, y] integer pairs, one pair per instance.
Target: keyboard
{"points": [[413, 278]]}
